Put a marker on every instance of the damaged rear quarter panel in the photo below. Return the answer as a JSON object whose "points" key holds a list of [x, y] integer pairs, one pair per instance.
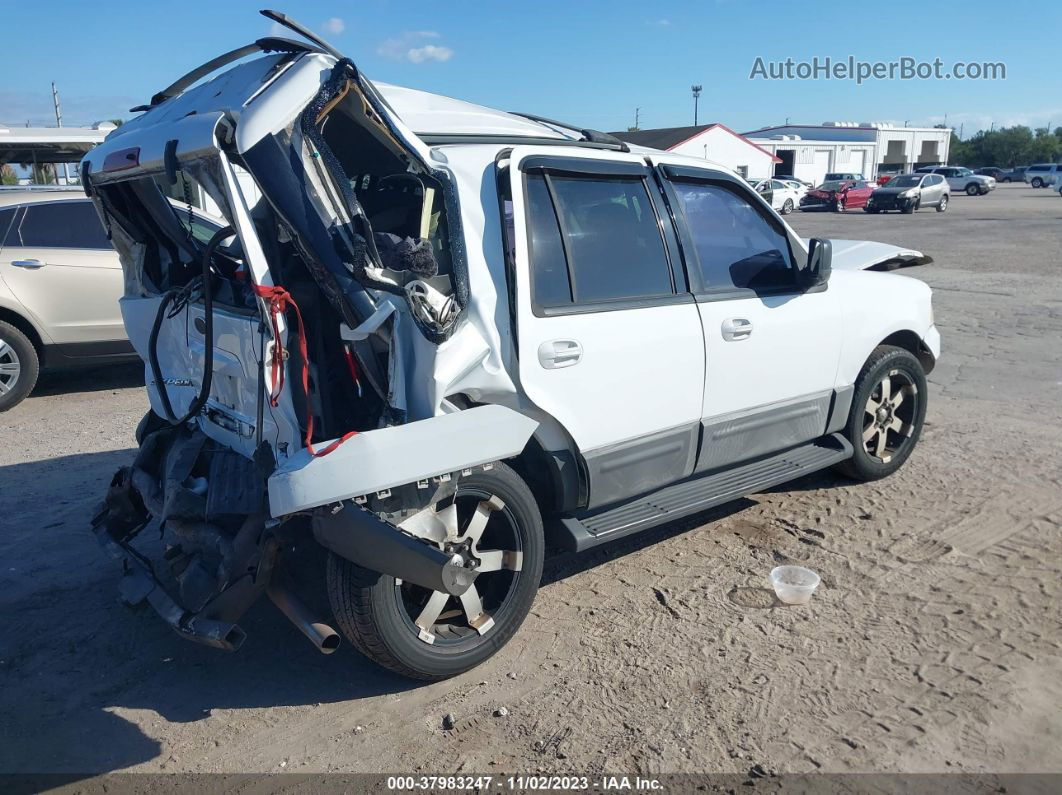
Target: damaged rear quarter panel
{"points": [[389, 457]]}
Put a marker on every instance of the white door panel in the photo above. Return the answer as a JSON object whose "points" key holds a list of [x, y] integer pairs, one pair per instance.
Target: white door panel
{"points": [[789, 348], [640, 371], [608, 375], [72, 293]]}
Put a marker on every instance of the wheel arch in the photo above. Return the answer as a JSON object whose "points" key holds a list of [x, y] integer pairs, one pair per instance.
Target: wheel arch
{"points": [[911, 342], [26, 327]]}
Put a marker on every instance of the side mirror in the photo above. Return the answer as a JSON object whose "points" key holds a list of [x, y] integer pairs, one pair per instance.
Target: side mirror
{"points": [[820, 263]]}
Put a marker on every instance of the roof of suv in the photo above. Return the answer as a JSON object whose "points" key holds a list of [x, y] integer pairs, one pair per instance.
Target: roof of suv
{"points": [[9, 197]]}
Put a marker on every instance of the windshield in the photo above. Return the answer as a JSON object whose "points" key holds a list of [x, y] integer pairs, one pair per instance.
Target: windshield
{"points": [[833, 184], [905, 182]]}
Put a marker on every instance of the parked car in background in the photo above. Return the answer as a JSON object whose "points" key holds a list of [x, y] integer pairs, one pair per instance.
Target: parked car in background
{"points": [[961, 179], [994, 172], [499, 336], [909, 192], [1016, 174], [782, 196], [1040, 175], [883, 179], [837, 195], [791, 178], [60, 281], [800, 187], [834, 176]]}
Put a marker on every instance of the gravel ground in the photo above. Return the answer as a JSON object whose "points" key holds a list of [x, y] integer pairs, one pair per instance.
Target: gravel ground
{"points": [[932, 645]]}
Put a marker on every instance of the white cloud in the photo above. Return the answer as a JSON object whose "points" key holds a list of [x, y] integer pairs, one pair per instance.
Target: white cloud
{"points": [[414, 46], [429, 52], [971, 122], [334, 25], [661, 23]]}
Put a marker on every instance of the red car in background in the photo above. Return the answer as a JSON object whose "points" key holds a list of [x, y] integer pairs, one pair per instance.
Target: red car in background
{"points": [[837, 195]]}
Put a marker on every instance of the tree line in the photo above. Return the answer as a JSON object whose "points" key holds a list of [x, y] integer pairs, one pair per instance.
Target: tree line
{"points": [[1007, 147]]}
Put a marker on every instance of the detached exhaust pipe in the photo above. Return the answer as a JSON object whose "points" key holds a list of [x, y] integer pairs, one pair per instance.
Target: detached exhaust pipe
{"points": [[363, 538], [320, 634]]}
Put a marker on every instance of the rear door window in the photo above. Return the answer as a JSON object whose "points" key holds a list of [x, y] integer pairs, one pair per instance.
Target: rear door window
{"points": [[68, 224], [737, 247], [594, 239]]}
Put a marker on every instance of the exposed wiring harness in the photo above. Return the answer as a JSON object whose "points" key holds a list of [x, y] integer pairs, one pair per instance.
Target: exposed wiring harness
{"points": [[182, 296]]}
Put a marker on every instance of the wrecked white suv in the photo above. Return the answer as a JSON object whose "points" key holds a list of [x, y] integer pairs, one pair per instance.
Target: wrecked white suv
{"points": [[427, 333]]}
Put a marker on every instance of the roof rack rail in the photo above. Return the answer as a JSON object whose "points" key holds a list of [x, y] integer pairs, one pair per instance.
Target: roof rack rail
{"points": [[442, 139], [267, 44], [590, 136]]}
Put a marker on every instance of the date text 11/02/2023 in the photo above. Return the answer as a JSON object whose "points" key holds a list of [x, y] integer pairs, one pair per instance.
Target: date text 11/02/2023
{"points": [[523, 783]]}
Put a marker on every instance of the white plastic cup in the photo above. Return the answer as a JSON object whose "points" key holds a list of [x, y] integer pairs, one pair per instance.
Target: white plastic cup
{"points": [[794, 585]]}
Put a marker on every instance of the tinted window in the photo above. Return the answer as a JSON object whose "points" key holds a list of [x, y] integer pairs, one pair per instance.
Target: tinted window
{"points": [[62, 225], [1037, 168], [6, 216], [909, 182], [613, 240], [549, 270], [736, 246]]}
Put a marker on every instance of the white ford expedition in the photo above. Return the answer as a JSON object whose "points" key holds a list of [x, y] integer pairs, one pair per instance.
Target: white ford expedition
{"points": [[426, 333]]}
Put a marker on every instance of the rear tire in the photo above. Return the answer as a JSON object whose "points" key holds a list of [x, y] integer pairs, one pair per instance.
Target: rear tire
{"points": [[19, 366], [787, 207], [1037, 182], [884, 425], [942, 205], [380, 616]]}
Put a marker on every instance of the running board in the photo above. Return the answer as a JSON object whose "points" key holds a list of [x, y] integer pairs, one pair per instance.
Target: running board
{"points": [[706, 491]]}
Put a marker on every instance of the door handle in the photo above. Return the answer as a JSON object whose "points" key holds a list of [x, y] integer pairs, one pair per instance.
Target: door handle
{"points": [[736, 328], [559, 353], [31, 264]]}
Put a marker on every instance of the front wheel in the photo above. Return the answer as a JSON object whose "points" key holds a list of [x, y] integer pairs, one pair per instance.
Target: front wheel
{"points": [[1037, 182], [494, 521], [942, 205], [888, 410]]}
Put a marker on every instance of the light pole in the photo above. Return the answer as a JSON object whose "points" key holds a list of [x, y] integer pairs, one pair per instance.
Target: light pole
{"points": [[696, 96]]}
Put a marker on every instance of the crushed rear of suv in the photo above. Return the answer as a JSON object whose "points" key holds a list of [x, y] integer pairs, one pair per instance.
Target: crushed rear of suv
{"points": [[421, 350]]}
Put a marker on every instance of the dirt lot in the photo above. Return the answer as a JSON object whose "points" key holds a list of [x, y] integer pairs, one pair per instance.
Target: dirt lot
{"points": [[934, 644]]}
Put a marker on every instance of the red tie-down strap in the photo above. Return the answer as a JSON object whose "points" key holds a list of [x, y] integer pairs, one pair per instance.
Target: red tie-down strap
{"points": [[279, 300]]}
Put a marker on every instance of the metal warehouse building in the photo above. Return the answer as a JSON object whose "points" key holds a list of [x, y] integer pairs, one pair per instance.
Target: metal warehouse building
{"points": [[809, 151]]}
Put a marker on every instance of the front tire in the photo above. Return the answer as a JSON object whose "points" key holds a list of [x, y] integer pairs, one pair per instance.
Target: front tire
{"points": [[888, 411], [19, 366], [430, 635], [1037, 182]]}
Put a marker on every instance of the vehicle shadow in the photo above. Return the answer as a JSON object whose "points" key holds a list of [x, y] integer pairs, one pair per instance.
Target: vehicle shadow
{"points": [[89, 379], [77, 665]]}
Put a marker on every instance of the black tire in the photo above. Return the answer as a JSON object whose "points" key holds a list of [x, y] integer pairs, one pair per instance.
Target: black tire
{"points": [[910, 207], [372, 609], [942, 205], [902, 366], [872, 210], [787, 207], [1005, 179], [19, 366], [1037, 182], [973, 189]]}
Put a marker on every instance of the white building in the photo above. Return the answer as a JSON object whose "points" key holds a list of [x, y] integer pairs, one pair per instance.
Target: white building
{"points": [[62, 147], [809, 151], [715, 142]]}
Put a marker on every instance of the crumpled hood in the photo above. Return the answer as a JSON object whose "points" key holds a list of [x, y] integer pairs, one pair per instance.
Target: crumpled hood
{"points": [[861, 255]]}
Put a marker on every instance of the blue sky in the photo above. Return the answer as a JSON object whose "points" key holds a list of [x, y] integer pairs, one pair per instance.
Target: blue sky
{"points": [[589, 62]]}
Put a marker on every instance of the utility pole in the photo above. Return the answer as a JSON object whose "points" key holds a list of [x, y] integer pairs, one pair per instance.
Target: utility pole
{"points": [[696, 96], [59, 123], [962, 126], [637, 113]]}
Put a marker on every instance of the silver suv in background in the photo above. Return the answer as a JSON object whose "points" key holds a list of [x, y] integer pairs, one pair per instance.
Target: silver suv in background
{"points": [[961, 179], [60, 281], [1040, 175], [909, 192]]}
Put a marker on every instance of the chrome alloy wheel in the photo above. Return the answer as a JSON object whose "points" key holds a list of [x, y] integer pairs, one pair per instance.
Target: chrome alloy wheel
{"points": [[10, 368], [479, 529], [888, 421]]}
